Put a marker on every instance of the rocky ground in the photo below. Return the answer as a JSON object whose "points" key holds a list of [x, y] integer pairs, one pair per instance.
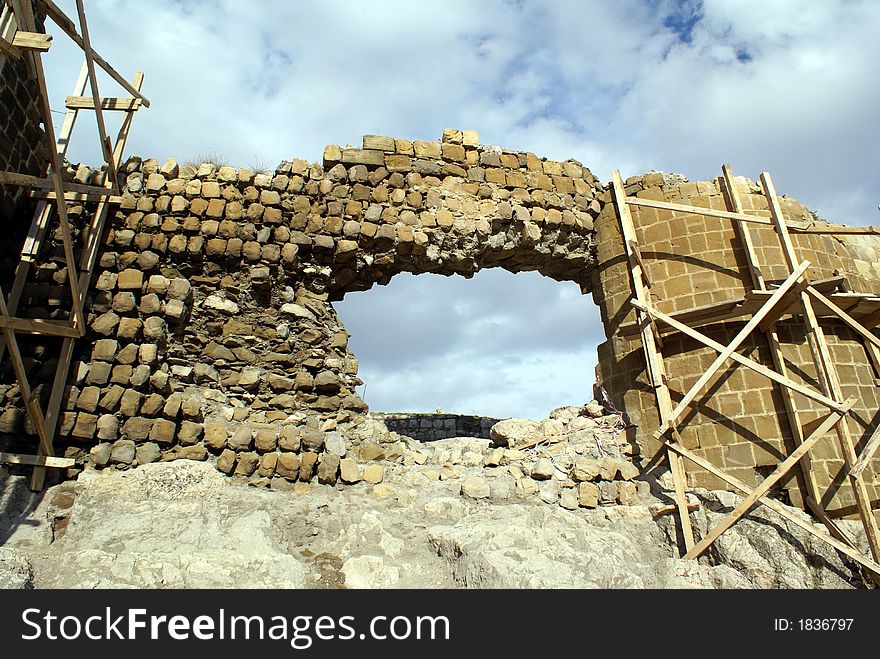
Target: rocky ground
{"points": [[566, 512]]}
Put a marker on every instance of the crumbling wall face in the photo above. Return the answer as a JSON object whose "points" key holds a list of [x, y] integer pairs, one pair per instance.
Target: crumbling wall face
{"points": [[211, 325], [739, 423], [22, 141]]}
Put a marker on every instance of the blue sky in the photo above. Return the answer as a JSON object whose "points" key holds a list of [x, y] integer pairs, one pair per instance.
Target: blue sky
{"points": [[786, 86]]}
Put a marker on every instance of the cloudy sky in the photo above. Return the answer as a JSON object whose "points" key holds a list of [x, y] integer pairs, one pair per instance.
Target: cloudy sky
{"points": [[788, 86]]}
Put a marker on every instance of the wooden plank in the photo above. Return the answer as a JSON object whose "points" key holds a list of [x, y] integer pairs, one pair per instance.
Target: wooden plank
{"points": [[741, 336], [870, 320], [827, 374], [27, 397], [741, 229], [778, 508], [837, 533], [25, 180], [62, 21], [32, 41], [634, 246], [774, 477], [40, 326], [70, 116], [653, 358], [846, 511], [96, 97], [867, 454], [88, 260], [698, 210], [35, 460], [705, 314], [741, 359], [791, 412], [24, 18], [784, 306], [113, 104], [837, 229], [855, 325], [40, 223], [78, 196], [9, 50]]}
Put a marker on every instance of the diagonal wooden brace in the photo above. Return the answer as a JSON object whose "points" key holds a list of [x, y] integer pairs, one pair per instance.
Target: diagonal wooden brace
{"points": [[784, 467], [729, 350], [778, 508], [745, 361]]}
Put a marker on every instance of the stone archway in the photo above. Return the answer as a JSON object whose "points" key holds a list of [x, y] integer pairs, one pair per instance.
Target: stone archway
{"points": [[212, 327]]}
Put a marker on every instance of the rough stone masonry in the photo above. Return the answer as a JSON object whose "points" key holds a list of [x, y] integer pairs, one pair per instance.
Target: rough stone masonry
{"points": [[212, 331]]}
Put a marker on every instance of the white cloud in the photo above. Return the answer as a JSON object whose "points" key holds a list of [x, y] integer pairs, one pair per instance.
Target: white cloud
{"points": [[785, 86]]}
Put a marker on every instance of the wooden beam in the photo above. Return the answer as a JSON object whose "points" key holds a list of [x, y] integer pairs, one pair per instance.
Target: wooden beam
{"points": [[784, 306], [775, 476], [25, 180], [37, 460], [867, 454], [40, 326], [70, 116], [837, 229], [637, 253], [740, 359], [78, 196], [792, 415], [30, 404], [40, 223], [777, 507], [732, 346], [24, 18], [62, 21], [96, 97], [846, 511], [653, 358], [697, 210], [32, 41], [742, 230], [827, 374], [88, 260], [855, 325], [88, 103], [10, 51], [870, 320]]}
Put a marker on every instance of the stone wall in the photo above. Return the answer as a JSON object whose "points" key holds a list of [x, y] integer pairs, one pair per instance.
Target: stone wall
{"points": [[22, 141], [429, 427], [211, 325], [695, 260]]}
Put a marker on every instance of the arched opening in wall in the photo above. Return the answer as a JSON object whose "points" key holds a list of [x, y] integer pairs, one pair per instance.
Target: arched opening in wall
{"points": [[496, 346]]}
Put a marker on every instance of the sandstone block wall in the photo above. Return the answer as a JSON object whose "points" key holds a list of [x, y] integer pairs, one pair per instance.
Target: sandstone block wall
{"points": [[693, 260]]}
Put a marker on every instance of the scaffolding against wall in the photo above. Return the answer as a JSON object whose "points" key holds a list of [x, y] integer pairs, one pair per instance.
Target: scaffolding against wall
{"points": [[760, 309], [30, 42]]}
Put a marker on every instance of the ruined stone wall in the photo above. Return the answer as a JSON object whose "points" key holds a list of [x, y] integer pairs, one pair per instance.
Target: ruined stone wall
{"points": [[694, 260], [211, 328], [429, 427], [22, 141]]}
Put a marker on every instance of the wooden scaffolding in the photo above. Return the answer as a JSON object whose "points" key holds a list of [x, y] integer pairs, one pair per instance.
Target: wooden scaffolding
{"points": [[762, 307], [53, 193]]}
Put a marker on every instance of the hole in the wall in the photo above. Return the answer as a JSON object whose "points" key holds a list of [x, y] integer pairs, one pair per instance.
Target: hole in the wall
{"points": [[498, 345]]}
